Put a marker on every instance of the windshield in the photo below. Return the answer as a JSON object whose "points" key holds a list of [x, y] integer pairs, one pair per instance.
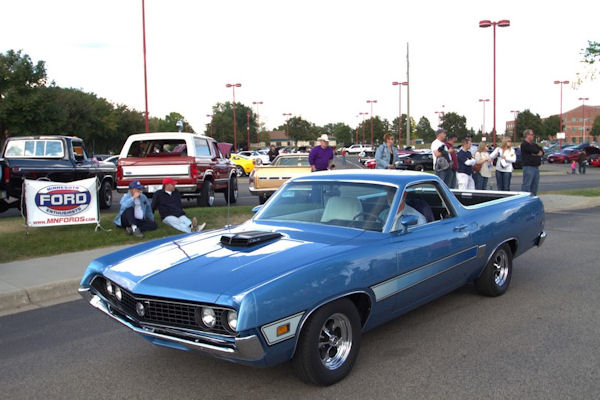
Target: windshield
{"points": [[349, 204], [300, 161]]}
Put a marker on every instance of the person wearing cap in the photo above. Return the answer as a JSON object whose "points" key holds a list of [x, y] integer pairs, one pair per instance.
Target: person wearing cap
{"points": [[168, 203], [321, 156], [135, 213]]}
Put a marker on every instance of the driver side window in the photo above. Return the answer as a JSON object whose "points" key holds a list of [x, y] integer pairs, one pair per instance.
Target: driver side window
{"points": [[426, 202]]}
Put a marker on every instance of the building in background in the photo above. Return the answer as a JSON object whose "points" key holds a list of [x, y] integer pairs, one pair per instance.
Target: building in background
{"points": [[573, 122]]}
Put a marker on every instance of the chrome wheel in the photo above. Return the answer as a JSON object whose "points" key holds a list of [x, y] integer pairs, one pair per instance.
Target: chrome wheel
{"points": [[501, 269], [335, 341], [239, 170]]}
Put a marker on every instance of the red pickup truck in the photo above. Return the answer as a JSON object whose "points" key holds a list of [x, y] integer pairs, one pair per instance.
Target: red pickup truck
{"points": [[196, 162]]}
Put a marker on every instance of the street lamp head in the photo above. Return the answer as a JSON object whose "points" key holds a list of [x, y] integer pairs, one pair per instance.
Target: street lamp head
{"points": [[257, 102], [233, 85], [486, 23], [210, 115], [584, 98], [503, 23], [484, 99]]}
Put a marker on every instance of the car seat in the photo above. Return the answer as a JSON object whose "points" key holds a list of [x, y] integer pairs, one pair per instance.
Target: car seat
{"points": [[342, 208]]}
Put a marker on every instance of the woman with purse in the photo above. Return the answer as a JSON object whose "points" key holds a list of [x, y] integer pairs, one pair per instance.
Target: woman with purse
{"points": [[482, 172], [386, 154], [504, 166]]}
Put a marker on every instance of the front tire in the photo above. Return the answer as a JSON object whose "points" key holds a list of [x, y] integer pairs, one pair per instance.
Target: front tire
{"points": [[207, 197], [328, 344], [495, 278], [105, 195], [239, 170]]}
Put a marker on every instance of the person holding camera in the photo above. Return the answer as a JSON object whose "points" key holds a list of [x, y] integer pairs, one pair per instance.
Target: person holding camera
{"points": [[441, 160]]}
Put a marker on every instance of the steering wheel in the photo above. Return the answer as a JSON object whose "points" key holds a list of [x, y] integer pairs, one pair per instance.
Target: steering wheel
{"points": [[370, 217]]}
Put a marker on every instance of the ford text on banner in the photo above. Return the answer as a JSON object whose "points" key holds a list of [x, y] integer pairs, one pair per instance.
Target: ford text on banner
{"points": [[57, 203]]}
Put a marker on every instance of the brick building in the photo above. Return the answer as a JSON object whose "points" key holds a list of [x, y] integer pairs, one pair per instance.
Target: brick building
{"points": [[573, 122]]}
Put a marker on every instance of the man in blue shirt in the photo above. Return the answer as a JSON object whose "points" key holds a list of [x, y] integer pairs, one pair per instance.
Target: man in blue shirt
{"points": [[321, 157], [135, 214]]}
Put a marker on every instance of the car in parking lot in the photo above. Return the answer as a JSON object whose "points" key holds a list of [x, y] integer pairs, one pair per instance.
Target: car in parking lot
{"points": [[564, 156], [332, 255], [358, 148], [416, 162], [243, 165], [266, 179]]}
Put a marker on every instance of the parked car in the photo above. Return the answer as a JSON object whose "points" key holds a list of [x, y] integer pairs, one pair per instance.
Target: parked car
{"points": [[265, 180], [366, 155], [358, 148], [564, 156], [196, 162], [243, 165], [371, 163], [262, 158], [55, 158], [330, 256], [416, 162], [112, 159]]}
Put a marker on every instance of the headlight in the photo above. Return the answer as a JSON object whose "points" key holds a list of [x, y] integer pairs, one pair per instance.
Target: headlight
{"points": [[118, 293], [109, 287], [232, 318], [208, 317]]}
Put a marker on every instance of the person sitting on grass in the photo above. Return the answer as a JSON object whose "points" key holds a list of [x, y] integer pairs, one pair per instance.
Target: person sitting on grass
{"points": [[168, 202], [135, 214]]}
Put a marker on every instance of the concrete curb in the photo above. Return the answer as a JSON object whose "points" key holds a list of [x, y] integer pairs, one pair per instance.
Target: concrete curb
{"points": [[38, 294]]}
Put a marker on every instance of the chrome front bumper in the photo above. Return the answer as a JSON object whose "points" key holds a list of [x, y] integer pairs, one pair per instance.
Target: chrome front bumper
{"points": [[540, 239], [247, 348]]}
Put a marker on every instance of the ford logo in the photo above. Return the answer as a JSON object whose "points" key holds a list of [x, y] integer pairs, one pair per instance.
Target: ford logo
{"points": [[62, 200]]}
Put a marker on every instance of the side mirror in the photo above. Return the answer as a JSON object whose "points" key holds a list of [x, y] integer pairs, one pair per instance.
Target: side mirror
{"points": [[408, 220], [257, 208]]}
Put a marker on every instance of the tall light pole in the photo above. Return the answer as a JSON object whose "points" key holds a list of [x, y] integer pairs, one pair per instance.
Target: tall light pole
{"points": [[486, 24], [211, 118], [287, 124], [145, 74], [440, 116], [561, 83], [257, 103], [516, 114], [371, 102], [233, 86], [363, 124], [399, 84], [483, 101], [248, 127], [583, 99]]}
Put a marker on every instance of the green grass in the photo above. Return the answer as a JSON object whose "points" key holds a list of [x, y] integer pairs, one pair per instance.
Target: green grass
{"points": [[589, 192], [17, 245]]}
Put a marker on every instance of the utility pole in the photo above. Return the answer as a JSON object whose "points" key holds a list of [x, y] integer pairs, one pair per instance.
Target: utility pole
{"points": [[407, 100]]}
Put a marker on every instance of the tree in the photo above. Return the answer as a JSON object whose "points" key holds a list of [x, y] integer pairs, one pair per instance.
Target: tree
{"points": [[425, 131], [222, 121], [591, 54], [528, 120], [551, 126], [596, 128], [454, 123], [342, 133], [169, 124], [413, 128], [299, 129]]}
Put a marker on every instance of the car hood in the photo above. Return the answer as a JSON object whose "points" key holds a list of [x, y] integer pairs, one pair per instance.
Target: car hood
{"points": [[200, 268]]}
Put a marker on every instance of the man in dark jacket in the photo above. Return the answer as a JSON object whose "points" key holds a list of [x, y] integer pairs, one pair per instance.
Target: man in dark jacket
{"points": [[531, 157], [168, 202]]}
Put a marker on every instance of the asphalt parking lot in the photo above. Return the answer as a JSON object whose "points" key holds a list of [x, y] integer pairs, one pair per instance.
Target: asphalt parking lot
{"points": [[538, 341]]}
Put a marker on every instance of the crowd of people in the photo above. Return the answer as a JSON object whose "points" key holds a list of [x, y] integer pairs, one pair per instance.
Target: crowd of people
{"points": [[463, 170]]}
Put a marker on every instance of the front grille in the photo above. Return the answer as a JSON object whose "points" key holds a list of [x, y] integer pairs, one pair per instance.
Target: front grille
{"points": [[164, 312]]}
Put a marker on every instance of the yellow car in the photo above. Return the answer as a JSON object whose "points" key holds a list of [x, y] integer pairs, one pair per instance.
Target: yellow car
{"points": [[244, 165], [265, 180]]}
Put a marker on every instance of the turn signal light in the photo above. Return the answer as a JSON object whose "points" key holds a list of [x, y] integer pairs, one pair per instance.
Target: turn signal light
{"points": [[283, 329]]}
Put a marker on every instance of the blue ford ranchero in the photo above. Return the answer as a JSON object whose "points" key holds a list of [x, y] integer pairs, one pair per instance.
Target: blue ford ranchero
{"points": [[328, 257]]}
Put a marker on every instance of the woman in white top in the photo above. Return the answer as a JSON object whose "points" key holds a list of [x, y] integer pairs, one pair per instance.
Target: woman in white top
{"points": [[485, 173], [504, 166]]}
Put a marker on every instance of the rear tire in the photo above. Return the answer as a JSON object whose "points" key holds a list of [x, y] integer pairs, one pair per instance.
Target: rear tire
{"points": [[262, 198], [239, 170], [105, 195], [207, 197], [495, 278], [328, 344]]}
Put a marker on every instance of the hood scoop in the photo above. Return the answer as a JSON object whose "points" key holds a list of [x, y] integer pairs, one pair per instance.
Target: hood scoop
{"points": [[249, 238]]}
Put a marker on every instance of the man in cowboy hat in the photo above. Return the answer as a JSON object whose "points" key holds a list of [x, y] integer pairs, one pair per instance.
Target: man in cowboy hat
{"points": [[321, 156]]}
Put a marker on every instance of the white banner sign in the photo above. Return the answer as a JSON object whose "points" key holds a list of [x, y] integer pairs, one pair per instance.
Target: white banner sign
{"points": [[56, 203]]}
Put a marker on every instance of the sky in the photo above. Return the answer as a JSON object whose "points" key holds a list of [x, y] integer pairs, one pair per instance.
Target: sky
{"points": [[321, 60]]}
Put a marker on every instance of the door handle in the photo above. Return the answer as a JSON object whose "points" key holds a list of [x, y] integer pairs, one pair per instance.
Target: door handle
{"points": [[460, 228]]}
